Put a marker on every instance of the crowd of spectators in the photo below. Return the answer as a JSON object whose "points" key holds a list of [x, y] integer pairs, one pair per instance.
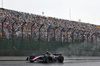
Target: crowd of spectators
{"points": [[54, 28]]}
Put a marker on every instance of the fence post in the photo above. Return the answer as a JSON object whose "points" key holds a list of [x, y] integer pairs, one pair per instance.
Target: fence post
{"points": [[61, 33], [47, 37], [22, 34], [67, 37], [13, 35], [39, 35], [32, 34], [83, 36], [73, 35], [67, 33], [61, 36], [96, 38], [87, 36], [54, 33], [2, 32], [55, 38], [92, 38]]}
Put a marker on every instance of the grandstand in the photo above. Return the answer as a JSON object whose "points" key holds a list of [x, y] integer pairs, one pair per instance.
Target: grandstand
{"points": [[59, 29], [24, 31]]}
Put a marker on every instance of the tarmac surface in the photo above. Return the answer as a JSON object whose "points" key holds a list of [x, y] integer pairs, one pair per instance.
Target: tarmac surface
{"points": [[65, 63], [69, 61], [23, 58]]}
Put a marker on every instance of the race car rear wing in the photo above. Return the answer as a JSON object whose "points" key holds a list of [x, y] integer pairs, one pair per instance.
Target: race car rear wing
{"points": [[56, 54]]}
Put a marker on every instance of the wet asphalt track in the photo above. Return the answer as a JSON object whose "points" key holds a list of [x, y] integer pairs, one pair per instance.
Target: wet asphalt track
{"points": [[66, 63]]}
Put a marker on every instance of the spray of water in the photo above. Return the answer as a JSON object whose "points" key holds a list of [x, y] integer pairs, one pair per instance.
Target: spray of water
{"points": [[80, 49]]}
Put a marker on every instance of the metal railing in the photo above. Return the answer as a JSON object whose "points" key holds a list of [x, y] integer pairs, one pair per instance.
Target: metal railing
{"points": [[72, 39]]}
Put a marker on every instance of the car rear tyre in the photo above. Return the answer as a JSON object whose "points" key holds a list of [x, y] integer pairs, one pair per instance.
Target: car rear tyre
{"points": [[60, 59], [31, 57], [31, 61], [45, 59]]}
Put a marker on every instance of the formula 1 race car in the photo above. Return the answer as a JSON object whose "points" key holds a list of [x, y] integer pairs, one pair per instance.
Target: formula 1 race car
{"points": [[45, 58]]}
